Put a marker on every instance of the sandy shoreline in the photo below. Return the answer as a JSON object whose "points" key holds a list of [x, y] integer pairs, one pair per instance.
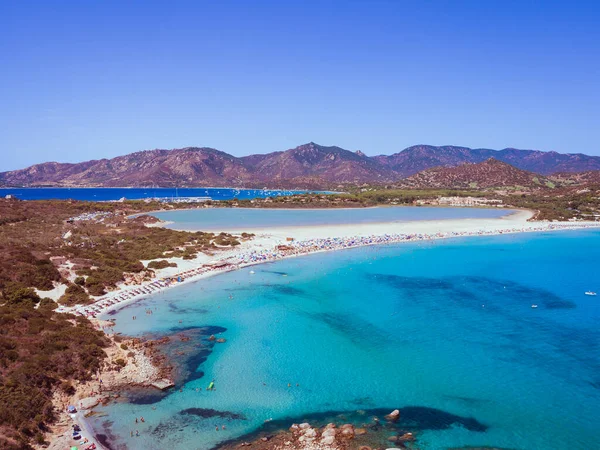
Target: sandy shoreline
{"points": [[272, 244], [305, 239]]}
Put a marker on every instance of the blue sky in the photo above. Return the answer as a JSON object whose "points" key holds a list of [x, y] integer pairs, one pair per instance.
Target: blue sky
{"points": [[86, 80]]}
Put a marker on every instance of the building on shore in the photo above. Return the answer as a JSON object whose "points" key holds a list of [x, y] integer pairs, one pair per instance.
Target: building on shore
{"points": [[461, 201]]}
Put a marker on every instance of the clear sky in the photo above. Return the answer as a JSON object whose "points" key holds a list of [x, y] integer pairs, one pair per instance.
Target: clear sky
{"points": [[92, 79]]}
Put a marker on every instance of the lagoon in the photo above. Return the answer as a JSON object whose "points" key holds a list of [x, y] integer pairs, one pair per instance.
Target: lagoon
{"points": [[246, 219]]}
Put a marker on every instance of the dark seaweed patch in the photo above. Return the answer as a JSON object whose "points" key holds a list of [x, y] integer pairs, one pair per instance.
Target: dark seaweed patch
{"points": [[191, 353], [411, 418], [174, 307], [207, 413], [558, 303]]}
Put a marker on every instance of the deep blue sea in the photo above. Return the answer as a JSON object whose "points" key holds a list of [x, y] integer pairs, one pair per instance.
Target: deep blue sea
{"points": [[106, 194], [244, 219], [442, 330]]}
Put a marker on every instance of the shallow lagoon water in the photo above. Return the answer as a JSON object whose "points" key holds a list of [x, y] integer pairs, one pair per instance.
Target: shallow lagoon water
{"points": [[222, 218], [445, 325]]}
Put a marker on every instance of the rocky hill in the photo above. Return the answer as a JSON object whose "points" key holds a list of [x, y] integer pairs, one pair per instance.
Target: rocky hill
{"points": [[591, 177], [307, 166], [487, 174], [420, 157], [332, 164]]}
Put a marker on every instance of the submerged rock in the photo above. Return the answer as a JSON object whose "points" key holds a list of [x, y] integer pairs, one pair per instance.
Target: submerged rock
{"points": [[406, 437]]}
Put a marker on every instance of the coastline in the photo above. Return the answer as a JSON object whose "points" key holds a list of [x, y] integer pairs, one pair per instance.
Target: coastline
{"points": [[264, 247], [272, 244]]}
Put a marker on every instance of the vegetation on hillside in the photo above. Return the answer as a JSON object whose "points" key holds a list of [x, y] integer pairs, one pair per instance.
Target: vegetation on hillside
{"points": [[102, 248], [40, 351]]}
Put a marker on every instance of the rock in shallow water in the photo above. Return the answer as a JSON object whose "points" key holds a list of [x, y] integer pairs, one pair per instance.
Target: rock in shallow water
{"points": [[393, 416]]}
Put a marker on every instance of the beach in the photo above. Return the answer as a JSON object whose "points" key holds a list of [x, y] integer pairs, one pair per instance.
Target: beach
{"points": [[272, 244]]}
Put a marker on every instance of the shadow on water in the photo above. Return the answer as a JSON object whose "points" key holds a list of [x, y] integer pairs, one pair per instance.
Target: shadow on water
{"points": [[412, 418]]}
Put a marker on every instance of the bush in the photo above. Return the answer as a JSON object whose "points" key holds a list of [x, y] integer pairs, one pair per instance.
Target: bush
{"points": [[75, 295], [80, 281], [15, 294], [120, 362], [162, 264], [67, 388], [124, 346], [47, 304], [95, 286]]}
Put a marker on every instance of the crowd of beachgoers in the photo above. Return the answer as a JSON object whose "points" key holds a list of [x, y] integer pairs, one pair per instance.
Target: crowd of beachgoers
{"points": [[290, 249]]}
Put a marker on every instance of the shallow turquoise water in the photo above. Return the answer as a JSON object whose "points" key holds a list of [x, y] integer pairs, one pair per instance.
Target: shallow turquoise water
{"points": [[223, 218], [445, 325]]}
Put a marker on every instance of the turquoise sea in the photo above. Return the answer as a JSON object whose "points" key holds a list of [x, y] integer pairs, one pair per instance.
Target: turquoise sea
{"points": [[245, 219], [442, 330]]}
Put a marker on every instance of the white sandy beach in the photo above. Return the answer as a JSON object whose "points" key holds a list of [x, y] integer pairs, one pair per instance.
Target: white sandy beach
{"points": [[271, 244]]}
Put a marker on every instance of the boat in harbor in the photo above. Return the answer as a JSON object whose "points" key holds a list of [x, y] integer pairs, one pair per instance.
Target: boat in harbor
{"points": [[590, 293], [534, 306]]}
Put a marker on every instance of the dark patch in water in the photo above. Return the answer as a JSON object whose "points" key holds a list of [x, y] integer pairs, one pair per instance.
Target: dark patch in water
{"points": [[289, 290], [186, 356], [470, 289], [469, 401], [273, 271], [206, 413], [107, 439], [208, 330], [559, 304], [595, 384], [173, 307], [413, 418], [104, 441]]}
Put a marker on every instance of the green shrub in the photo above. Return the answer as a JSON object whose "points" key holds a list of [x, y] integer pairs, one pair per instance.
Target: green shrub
{"points": [[14, 294], [47, 304], [75, 295], [162, 264]]}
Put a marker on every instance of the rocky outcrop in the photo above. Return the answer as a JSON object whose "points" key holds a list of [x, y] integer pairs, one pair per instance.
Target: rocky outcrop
{"points": [[303, 436], [393, 416]]}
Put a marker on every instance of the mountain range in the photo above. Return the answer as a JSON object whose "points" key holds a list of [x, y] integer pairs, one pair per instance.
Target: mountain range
{"points": [[308, 166]]}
